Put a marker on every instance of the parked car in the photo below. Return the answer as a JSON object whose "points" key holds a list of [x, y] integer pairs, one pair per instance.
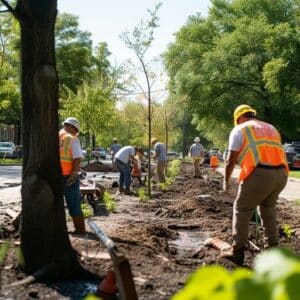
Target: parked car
{"points": [[172, 155], [99, 152], [7, 149], [292, 151]]}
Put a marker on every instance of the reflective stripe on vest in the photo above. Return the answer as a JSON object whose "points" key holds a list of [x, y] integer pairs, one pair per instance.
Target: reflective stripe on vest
{"points": [[262, 145], [65, 152]]}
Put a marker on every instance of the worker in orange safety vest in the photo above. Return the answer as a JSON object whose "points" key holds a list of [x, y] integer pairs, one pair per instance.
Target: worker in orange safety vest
{"points": [[70, 159], [256, 147]]}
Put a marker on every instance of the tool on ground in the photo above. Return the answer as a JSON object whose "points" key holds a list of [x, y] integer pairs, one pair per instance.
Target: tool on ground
{"points": [[217, 244], [121, 264]]}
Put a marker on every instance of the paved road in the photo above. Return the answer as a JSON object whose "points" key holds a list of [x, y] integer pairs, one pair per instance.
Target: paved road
{"points": [[10, 175], [10, 179], [291, 191]]}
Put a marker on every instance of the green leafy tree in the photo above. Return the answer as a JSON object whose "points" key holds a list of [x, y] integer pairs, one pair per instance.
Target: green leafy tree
{"points": [[73, 51], [243, 52], [94, 107], [140, 41], [10, 104]]}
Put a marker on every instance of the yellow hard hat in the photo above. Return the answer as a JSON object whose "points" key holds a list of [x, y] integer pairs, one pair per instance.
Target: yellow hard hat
{"points": [[154, 140], [240, 110]]}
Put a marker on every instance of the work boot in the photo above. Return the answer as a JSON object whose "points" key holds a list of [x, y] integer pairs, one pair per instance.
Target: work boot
{"points": [[127, 191], [79, 224], [121, 189], [234, 255]]}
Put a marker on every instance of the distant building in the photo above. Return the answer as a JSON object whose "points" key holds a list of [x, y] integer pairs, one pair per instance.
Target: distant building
{"points": [[8, 133]]}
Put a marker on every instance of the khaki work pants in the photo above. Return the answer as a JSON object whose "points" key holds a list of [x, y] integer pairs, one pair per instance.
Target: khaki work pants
{"points": [[160, 170], [197, 162], [260, 189]]}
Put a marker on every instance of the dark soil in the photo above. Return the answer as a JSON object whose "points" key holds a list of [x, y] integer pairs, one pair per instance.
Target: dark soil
{"points": [[163, 238]]}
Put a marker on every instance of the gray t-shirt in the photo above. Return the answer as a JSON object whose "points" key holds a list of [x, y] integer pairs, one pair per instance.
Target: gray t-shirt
{"points": [[114, 148], [124, 153], [197, 150], [160, 151]]}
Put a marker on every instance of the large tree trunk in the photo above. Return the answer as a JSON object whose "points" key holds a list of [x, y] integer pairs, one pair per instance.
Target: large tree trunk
{"points": [[44, 236]]}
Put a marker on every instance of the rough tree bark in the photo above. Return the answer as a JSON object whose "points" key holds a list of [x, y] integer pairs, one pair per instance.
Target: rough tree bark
{"points": [[44, 236]]}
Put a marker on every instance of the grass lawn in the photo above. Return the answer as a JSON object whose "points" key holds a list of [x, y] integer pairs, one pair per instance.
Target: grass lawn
{"points": [[295, 174], [10, 161]]}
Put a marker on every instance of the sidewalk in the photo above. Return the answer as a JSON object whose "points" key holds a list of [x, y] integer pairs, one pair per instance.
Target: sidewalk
{"points": [[291, 192]]}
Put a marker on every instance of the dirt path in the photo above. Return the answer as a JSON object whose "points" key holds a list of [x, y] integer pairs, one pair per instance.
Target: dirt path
{"points": [[160, 236]]}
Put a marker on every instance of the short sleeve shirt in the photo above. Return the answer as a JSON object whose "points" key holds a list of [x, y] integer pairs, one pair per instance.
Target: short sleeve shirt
{"points": [[124, 153], [197, 150], [115, 148], [236, 139], [160, 150], [76, 149]]}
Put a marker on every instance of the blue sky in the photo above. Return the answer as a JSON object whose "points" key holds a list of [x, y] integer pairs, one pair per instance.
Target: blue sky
{"points": [[106, 20]]}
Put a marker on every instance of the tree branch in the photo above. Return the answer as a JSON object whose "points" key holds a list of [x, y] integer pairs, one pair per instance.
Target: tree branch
{"points": [[9, 8]]}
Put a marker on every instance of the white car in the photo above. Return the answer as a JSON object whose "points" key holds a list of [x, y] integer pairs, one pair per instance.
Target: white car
{"points": [[7, 149]]}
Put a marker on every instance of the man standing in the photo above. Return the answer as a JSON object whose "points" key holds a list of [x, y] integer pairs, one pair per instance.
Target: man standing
{"points": [[256, 147], [70, 159], [114, 148], [197, 154], [161, 157], [122, 161]]}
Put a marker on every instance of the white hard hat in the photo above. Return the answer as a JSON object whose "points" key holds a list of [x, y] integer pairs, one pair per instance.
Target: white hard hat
{"points": [[72, 121], [197, 139]]}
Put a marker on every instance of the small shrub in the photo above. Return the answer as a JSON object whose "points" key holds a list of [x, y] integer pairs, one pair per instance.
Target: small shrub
{"points": [[287, 230], [86, 210], [142, 195], [173, 168], [109, 202]]}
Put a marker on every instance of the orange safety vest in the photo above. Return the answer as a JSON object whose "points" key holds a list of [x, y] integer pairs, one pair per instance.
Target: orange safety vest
{"points": [[262, 145], [65, 152], [214, 161]]}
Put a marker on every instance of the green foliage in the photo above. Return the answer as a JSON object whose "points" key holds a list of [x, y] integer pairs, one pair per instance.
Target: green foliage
{"points": [[73, 52], [142, 195], [20, 256], [173, 171], [297, 202], [92, 297], [174, 168], [93, 106], [287, 230], [109, 202], [243, 52], [275, 277], [10, 161], [3, 251], [294, 174], [86, 210]]}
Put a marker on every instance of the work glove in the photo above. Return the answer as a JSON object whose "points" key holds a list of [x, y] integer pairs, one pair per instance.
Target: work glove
{"points": [[72, 179], [225, 186]]}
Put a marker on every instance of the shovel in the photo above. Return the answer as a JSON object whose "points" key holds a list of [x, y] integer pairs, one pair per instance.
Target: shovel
{"points": [[121, 264]]}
